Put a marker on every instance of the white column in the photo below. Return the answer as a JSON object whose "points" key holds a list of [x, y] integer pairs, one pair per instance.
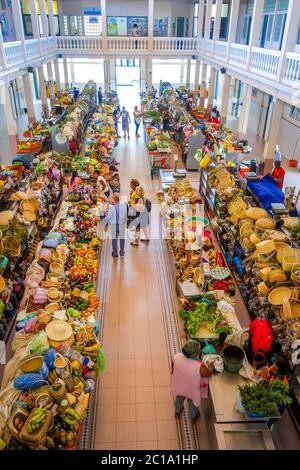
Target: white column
{"points": [[207, 19], [43, 92], [225, 97], [255, 28], [66, 73], [200, 19], [104, 26], [272, 141], [290, 34], [18, 22], [35, 24], [188, 73], [197, 74], [57, 77], [106, 75], [44, 18], [2, 51], [72, 72], [9, 117], [211, 89], [149, 74], [203, 84], [233, 21], [143, 74], [217, 20], [245, 111], [29, 98], [150, 23], [51, 80], [112, 73], [181, 71], [51, 18]]}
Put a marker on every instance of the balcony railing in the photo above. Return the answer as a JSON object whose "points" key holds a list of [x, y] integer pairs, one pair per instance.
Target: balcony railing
{"points": [[127, 44], [208, 46], [292, 67], [221, 49], [264, 60], [79, 43], [14, 53], [32, 49], [238, 54], [175, 44]]}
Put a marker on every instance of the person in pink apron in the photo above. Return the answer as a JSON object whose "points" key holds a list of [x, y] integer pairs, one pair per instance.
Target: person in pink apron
{"points": [[189, 379]]}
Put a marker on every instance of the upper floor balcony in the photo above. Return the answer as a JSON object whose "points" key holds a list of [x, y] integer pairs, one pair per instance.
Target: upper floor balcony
{"points": [[241, 61]]}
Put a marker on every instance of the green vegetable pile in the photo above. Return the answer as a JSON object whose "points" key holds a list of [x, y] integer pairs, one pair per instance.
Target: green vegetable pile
{"points": [[152, 147], [79, 163], [296, 232], [265, 397]]}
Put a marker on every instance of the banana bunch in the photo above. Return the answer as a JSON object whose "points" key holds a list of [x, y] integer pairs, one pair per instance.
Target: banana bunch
{"points": [[37, 419], [71, 417], [91, 351], [78, 389]]}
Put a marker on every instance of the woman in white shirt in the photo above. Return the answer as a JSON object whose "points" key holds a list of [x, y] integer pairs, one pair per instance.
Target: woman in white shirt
{"points": [[102, 181]]}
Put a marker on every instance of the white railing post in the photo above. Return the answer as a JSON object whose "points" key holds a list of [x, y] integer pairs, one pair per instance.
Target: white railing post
{"points": [[290, 35], [234, 15], [104, 25], [18, 21], [150, 23], [255, 28]]}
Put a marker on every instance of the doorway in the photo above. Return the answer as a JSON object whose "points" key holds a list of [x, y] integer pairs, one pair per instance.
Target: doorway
{"points": [[128, 74]]}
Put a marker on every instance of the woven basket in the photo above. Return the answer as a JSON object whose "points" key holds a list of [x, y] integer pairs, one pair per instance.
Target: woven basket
{"points": [[291, 260], [295, 276]]}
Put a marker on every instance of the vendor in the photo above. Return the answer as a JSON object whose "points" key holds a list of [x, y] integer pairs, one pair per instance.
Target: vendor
{"points": [[102, 182], [278, 174]]}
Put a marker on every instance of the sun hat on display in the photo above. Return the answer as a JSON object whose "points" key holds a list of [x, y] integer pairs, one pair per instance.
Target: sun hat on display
{"points": [[256, 213], [18, 196], [59, 330], [6, 217], [54, 295]]}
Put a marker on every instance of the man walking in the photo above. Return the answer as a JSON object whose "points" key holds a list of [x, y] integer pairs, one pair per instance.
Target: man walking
{"points": [[117, 219], [125, 121], [100, 96]]}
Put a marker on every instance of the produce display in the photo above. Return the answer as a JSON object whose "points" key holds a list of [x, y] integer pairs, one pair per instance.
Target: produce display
{"points": [[57, 323]]}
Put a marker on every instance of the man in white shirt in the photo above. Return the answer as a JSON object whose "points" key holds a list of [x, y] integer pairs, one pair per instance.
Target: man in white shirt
{"points": [[136, 32], [117, 219]]}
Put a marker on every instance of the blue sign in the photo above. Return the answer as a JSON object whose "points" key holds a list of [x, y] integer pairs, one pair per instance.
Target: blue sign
{"points": [[92, 12]]}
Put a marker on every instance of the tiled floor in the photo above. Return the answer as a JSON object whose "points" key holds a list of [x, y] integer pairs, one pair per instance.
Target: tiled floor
{"points": [[135, 408]]}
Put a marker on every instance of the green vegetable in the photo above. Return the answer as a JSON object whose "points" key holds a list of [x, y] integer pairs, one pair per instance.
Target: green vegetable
{"points": [[264, 398]]}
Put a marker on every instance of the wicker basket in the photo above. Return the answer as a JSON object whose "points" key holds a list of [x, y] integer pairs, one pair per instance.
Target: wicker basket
{"points": [[291, 260]]}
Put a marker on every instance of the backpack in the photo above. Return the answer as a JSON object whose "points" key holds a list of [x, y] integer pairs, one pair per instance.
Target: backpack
{"points": [[148, 205]]}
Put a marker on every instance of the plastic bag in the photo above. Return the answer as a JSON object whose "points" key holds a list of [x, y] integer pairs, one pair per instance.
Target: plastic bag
{"points": [[217, 361], [51, 243], [225, 307], [39, 344], [28, 381], [12, 366], [50, 358], [44, 371]]}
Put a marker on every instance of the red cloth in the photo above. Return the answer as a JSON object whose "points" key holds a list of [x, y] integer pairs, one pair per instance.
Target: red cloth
{"points": [[279, 173], [262, 335]]}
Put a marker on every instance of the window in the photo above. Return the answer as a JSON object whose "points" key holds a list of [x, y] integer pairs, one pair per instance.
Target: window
{"points": [[195, 20], [295, 113], [73, 26], [269, 30], [278, 26], [92, 25]]}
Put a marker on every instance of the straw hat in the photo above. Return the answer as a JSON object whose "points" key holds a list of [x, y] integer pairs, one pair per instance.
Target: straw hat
{"points": [[54, 295], [29, 216], [266, 246], [59, 330], [256, 213], [18, 196], [265, 223], [2, 284], [6, 217], [53, 307]]}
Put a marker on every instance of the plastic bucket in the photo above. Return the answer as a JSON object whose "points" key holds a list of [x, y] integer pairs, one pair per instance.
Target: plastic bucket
{"points": [[233, 358]]}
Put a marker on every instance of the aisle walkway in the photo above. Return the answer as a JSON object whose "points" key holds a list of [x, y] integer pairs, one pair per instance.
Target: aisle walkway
{"points": [[135, 409]]}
